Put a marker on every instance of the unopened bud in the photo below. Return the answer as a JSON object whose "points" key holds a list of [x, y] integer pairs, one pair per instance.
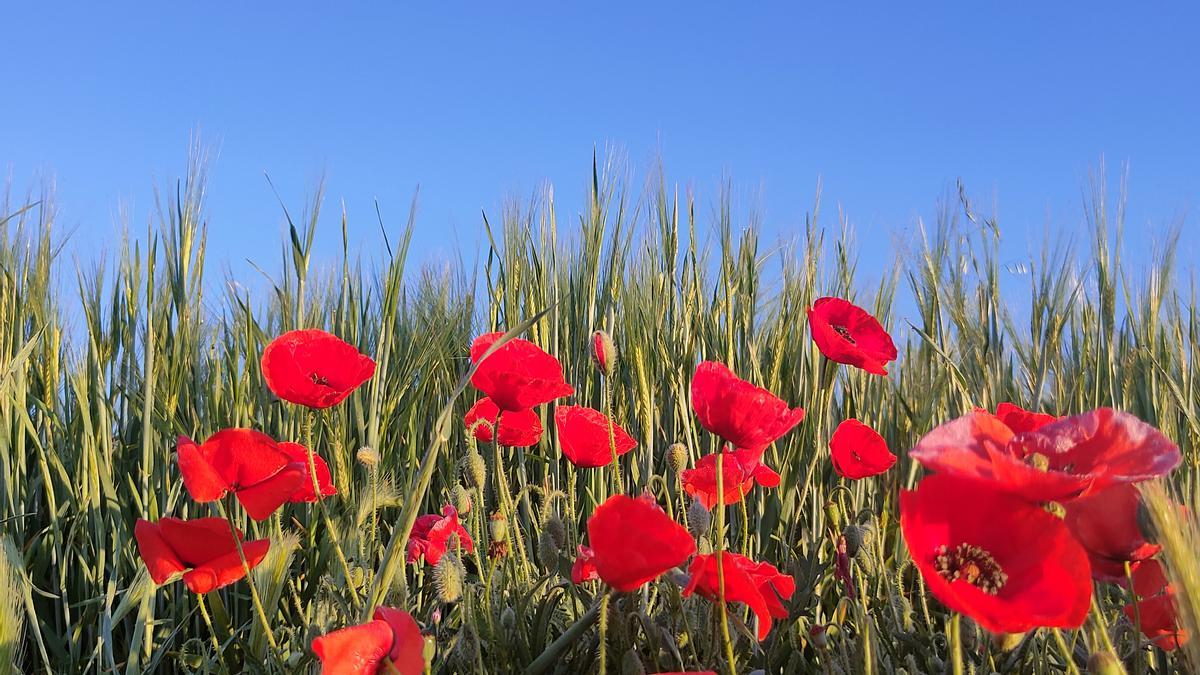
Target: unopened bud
{"points": [[817, 636], [547, 550], [699, 519], [474, 470], [460, 497], [833, 515], [368, 456], [508, 620], [854, 539], [677, 457], [498, 527], [604, 353], [448, 578], [1105, 663], [557, 531]]}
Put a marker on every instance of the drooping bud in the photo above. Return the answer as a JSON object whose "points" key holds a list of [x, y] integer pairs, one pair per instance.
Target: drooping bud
{"points": [[631, 663], [460, 497], [817, 636], [833, 515], [677, 457], [699, 519], [368, 456], [547, 550], [498, 531], [604, 353], [508, 620], [557, 531], [448, 577], [1105, 663], [474, 470], [854, 539]]}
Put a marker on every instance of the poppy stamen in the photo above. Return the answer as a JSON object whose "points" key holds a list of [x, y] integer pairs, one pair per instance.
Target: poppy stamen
{"points": [[319, 380], [971, 564], [845, 333]]}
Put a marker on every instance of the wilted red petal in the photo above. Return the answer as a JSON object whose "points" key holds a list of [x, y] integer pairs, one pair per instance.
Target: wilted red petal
{"points": [[1048, 578], [357, 650], [1106, 524], [701, 482], [858, 451], [431, 536], [1156, 612], [745, 582], [518, 375], [584, 435], [745, 415], [264, 498], [225, 569], [407, 653], [584, 569], [202, 481], [161, 561], [846, 333], [634, 541], [313, 368], [298, 454]]}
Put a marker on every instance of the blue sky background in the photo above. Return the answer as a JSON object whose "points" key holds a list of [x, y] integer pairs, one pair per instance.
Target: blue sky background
{"points": [[887, 103]]}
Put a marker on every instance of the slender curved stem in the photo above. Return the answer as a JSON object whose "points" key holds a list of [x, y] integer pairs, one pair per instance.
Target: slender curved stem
{"points": [[333, 536], [254, 597], [719, 545]]}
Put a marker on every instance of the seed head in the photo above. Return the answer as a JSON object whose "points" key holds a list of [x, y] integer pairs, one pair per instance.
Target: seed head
{"points": [[498, 527], [368, 456], [604, 353]]}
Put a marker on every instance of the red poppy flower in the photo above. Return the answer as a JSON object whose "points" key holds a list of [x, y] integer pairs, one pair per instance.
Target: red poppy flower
{"points": [[248, 463], [584, 569], [1156, 612], [298, 454], [1021, 420], [1106, 524], [583, 433], [393, 635], [741, 471], [1008, 564], [858, 451], [313, 368], [633, 541], [203, 550], [518, 428], [848, 334], [1063, 460], [431, 534], [759, 585], [743, 414], [518, 375]]}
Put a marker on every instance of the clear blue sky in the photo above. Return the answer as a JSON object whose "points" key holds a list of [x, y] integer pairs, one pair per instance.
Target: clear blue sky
{"points": [[888, 103]]}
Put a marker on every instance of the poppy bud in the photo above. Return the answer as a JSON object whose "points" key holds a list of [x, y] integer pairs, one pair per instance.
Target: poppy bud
{"points": [[817, 636], [474, 470], [448, 578], [547, 550], [699, 519], [833, 515], [604, 353], [508, 620], [678, 577], [557, 531], [466, 649], [498, 527], [460, 497], [677, 457], [1006, 642], [1105, 663], [631, 664], [368, 456], [854, 539]]}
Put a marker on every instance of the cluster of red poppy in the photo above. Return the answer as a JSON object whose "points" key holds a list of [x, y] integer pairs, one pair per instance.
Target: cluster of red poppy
{"points": [[980, 531]]}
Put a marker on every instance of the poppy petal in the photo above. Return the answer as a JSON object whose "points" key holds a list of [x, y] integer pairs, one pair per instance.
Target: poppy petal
{"points": [[314, 368], [519, 428], [225, 569], [745, 415], [585, 436], [408, 646], [262, 499], [298, 454], [634, 542], [858, 451], [518, 375], [356, 650], [202, 481], [161, 561], [197, 540]]}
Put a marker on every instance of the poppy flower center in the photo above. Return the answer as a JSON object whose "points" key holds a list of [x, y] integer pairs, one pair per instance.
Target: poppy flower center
{"points": [[971, 564], [844, 332], [319, 379]]}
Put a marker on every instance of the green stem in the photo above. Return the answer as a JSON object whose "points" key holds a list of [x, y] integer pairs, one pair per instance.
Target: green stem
{"points": [[254, 597], [603, 633], [719, 544], [956, 659], [212, 633], [612, 434], [355, 601]]}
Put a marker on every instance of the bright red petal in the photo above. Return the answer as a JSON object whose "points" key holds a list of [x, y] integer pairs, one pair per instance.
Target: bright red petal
{"points": [[1106, 524], [745, 415], [584, 435], [701, 482], [202, 481], [161, 561], [408, 646], [223, 570], [314, 368], [584, 569], [262, 499], [858, 451], [1021, 420], [243, 457], [482, 418], [198, 540], [846, 333], [739, 585], [298, 454], [357, 650], [634, 542], [520, 428], [518, 375]]}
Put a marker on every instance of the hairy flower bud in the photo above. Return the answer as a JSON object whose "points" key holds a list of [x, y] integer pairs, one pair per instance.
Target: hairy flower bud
{"points": [[448, 577], [474, 470], [368, 456], [699, 519], [508, 620], [854, 539], [460, 497], [1105, 663], [677, 457], [604, 353]]}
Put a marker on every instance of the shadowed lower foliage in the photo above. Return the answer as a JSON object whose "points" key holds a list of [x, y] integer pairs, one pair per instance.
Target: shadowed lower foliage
{"points": [[104, 363]]}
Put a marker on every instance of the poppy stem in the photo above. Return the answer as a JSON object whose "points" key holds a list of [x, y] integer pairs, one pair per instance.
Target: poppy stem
{"points": [[355, 602], [254, 597], [612, 434], [603, 633], [212, 632], [719, 544], [956, 659], [508, 504]]}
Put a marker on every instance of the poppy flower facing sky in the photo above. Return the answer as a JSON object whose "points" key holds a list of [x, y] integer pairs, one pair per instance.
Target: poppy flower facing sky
{"points": [[313, 368], [1106, 524], [744, 415], [517, 376], [760, 586], [392, 635], [202, 549], [432, 535], [1062, 460], [858, 451], [1008, 564], [583, 433], [518, 428], [247, 463], [633, 541], [1156, 612], [741, 472], [848, 334]]}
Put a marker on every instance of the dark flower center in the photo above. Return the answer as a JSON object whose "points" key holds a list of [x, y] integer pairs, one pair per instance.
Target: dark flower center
{"points": [[318, 379], [844, 332], [971, 564]]}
